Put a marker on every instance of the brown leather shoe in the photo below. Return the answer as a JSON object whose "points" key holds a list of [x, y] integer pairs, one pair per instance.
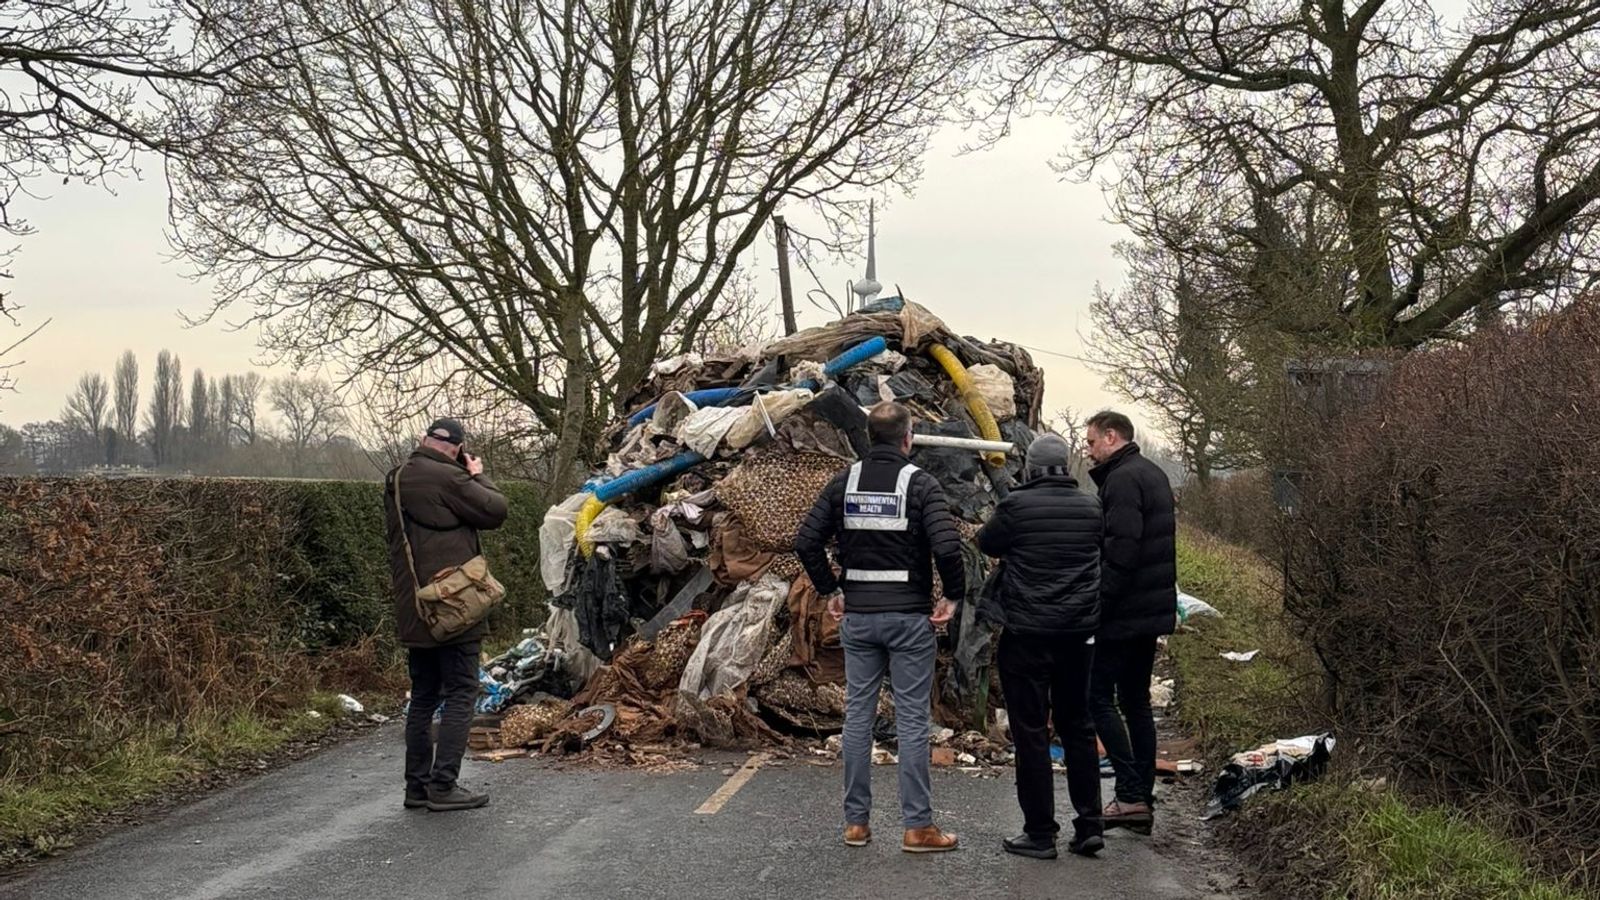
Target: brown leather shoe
{"points": [[1135, 817], [857, 835], [927, 840]]}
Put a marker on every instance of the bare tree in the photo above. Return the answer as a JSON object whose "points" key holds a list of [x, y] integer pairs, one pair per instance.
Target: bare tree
{"points": [[740, 321], [165, 415], [87, 84], [387, 415], [14, 459], [89, 411], [311, 414], [125, 401], [227, 406], [199, 417], [8, 362], [1457, 164], [547, 196], [1068, 423], [247, 390], [216, 420], [1168, 340]]}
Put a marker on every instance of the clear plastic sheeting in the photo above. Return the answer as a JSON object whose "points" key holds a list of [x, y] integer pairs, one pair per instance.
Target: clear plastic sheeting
{"points": [[734, 640], [671, 412], [556, 541], [562, 635]]}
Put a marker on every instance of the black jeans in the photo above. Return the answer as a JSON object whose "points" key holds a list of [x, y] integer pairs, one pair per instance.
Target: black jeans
{"points": [[1038, 675], [448, 674], [1120, 696]]}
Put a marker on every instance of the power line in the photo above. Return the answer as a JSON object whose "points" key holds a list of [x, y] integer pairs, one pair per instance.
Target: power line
{"points": [[1085, 361]]}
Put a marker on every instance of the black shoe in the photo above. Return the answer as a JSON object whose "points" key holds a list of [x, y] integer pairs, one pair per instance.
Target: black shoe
{"points": [[416, 798], [1087, 845], [457, 797], [1030, 846]]}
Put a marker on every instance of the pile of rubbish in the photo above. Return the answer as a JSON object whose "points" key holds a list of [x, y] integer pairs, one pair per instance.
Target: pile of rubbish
{"points": [[678, 601]]}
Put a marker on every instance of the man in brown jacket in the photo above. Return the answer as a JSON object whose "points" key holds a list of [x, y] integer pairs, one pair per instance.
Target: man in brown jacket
{"points": [[445, 499]]}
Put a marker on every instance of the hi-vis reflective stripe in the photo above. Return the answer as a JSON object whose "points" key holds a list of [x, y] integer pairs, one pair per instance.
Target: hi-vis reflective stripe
{"points": [[893, 505], [877, 575]]}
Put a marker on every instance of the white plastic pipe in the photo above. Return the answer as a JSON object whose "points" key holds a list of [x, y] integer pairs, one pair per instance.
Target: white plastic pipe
{"points": [[959, 443]]}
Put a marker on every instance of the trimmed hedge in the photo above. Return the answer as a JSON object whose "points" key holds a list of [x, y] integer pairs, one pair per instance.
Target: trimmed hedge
{"points": [[136, 601]]}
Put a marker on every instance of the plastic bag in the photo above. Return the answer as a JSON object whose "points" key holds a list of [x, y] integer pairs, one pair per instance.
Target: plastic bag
{"points": [[563, 634], [704, 430], [671, 412], [763, 415], [918, 326], [1190, 607], [556, 541], [668, 551], [676, 364], [733, 641], [998, 389], [613, 526]]}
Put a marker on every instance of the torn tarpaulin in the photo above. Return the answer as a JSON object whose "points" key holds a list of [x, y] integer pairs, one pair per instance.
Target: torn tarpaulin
{"points": [[1272, 767], [734, 640]]}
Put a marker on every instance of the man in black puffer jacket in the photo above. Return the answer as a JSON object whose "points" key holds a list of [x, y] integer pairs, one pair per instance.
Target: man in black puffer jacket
{"points": [[1138, 604], [1047, 536]]}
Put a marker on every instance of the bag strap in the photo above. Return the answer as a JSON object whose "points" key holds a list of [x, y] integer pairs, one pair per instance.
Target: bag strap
{"points": [[400, 515], [411, 561]]}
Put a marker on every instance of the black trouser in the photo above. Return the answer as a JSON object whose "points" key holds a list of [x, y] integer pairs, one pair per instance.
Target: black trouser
{"points": [[1038, 675], [1121, 681], [449, 674]]}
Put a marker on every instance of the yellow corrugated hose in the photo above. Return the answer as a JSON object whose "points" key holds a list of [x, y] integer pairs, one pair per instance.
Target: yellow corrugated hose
{"points": [[987, 426], [592, 508]]}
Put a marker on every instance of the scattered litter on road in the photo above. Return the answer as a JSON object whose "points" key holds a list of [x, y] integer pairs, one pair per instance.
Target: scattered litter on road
{"points": [[1274, 766], [499, 755], [351, 705], [1232, 656], [378, 718], [1162, 692]]}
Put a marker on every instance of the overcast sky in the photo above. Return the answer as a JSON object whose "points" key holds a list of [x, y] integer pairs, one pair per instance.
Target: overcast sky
{"points": [[995, 242]]}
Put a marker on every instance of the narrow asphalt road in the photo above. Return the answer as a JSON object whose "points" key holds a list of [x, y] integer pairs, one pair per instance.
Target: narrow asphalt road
{"points": [[332, 826]]}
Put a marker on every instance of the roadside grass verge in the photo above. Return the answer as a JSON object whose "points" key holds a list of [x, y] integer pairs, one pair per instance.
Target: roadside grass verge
{"points": [[1349, 836], [43, 816], [1231, 706]]}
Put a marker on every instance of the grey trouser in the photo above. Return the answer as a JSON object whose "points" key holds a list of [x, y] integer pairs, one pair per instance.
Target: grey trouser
{"points": [[902, 646]]}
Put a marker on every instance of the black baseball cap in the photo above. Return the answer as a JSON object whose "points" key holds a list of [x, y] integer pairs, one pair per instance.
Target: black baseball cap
{"points": [[447, 430]]}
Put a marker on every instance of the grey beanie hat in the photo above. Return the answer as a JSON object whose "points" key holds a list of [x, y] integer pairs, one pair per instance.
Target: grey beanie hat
{"points": [[1047, 452]]}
